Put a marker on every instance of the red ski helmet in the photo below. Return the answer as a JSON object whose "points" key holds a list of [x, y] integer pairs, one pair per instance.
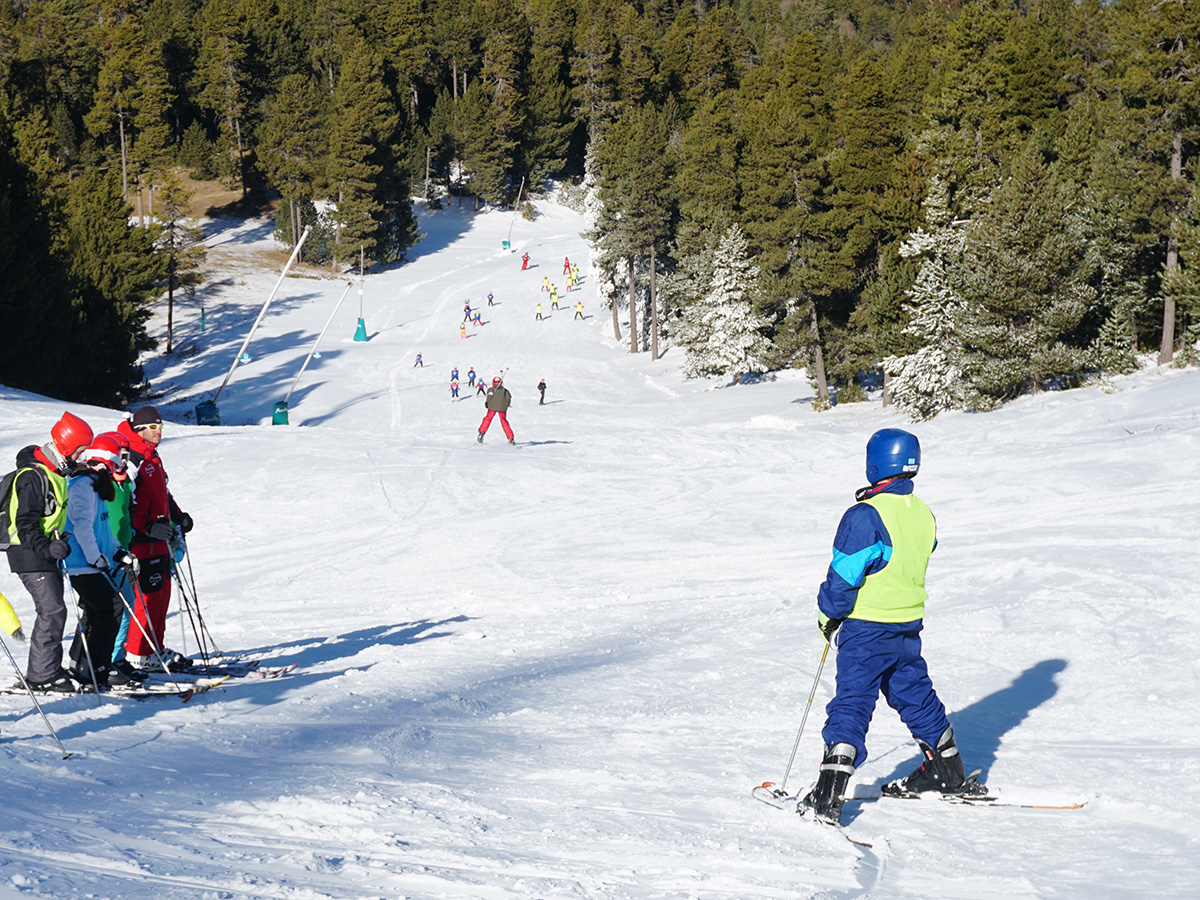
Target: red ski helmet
{"points": [[71, 434], [497, 381], [105, 452]]}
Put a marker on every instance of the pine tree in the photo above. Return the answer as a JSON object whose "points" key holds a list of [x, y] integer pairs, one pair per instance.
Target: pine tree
{"points": [[116, 85], [1025, 284], [930, 378], [594, 67], [115, 273], [549, 124], [710, 152], [153, 147], [720, 333], [362, 121], [636, 190], [1159, 62], [291, 146], [1184, 283], [220, 78], [180, 244], [33, 304]]}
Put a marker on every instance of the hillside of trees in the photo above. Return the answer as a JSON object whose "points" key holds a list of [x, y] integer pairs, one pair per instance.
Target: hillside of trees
{"points": [[961, 200]]}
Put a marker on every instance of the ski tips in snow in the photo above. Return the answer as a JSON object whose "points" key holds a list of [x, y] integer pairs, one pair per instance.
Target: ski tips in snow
{"points": [[772, 795]]}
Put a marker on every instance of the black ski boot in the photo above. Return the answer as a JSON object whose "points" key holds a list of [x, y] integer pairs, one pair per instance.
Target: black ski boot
{"points": [[941, 770], [480, 437], [826, 799]]}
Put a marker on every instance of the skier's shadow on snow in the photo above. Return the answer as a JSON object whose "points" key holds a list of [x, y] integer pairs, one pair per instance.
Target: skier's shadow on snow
{"points": [[980, 727]]}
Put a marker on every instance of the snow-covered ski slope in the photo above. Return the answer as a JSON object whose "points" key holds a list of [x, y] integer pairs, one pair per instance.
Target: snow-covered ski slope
{"points": [[557, 670]]}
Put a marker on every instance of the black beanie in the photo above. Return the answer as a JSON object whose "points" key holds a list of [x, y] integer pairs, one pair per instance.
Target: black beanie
{"points": [[147, 415]]}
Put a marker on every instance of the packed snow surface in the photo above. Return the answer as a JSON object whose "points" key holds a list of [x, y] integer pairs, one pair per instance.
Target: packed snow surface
{"points": [[558, 669]]}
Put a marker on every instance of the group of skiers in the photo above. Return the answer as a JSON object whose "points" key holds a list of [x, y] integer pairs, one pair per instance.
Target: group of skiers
{"points": [[572, 273], [96, 509]]}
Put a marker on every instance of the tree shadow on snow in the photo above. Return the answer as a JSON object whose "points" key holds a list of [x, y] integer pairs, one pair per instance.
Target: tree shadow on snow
{"points": [[980, 728]]}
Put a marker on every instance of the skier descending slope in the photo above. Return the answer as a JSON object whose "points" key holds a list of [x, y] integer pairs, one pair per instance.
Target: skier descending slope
{"points": [[498, 401], [871, 607]]}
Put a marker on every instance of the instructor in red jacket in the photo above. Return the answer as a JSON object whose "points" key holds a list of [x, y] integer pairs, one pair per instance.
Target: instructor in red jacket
{"points": [[154, 516]]}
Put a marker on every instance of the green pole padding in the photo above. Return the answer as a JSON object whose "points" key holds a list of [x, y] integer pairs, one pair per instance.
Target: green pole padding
{"points": [[361, 333], [280, 415]]}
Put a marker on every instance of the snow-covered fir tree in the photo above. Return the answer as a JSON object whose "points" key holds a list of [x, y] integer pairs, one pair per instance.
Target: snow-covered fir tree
{"points": [[720, 332], [930, 379]]}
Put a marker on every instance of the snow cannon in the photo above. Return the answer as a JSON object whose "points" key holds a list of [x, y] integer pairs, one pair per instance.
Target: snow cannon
{"points": [[207, 413], [361, 334]]}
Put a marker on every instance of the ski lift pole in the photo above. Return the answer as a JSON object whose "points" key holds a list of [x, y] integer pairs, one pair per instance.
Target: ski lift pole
{"points": [[513, 220], [349, 284], [262, 312]]}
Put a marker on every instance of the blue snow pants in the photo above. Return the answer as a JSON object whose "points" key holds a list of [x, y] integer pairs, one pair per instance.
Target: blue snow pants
{"points": [[881, 657]]}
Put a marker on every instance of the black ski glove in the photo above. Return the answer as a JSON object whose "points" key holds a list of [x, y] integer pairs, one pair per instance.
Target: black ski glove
{"points": [[127, 561], [828, 626], [185, 522], [59, 549], [159, 530]]}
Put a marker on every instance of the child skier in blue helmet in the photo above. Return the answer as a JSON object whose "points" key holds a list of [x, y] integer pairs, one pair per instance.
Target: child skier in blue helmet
{"points": [[871, 608]]}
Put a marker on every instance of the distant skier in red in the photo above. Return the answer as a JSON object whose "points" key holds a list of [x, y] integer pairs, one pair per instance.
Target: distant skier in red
{"points": [[524, 262], [498, 400], [566, 265]]}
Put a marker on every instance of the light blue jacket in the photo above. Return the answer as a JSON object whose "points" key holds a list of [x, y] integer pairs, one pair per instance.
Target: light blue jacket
{"points": [[87, 520]]}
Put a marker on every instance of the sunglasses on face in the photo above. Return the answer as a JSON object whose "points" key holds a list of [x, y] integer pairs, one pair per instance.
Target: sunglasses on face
{"points": [[157, 426]]}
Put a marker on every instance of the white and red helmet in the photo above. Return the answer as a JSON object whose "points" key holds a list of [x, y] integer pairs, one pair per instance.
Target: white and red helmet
{"points": [[497, 381], [105, 452]]}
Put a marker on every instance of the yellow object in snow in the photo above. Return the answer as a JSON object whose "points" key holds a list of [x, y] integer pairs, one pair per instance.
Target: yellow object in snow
{"points": [[8, 618]]}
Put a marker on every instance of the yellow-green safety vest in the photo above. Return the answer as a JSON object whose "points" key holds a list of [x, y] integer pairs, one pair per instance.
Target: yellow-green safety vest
{"points": [[57, 516], [896, 593]]}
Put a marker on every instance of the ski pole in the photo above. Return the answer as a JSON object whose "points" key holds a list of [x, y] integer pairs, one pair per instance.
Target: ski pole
{"points": [[87, 653], [25, 684], [187, 556], [803, 719], [187, 607], [141, 598]]}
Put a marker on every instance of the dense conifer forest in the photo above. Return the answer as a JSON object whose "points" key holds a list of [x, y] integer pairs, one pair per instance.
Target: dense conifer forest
{"points": [[961, 200]]}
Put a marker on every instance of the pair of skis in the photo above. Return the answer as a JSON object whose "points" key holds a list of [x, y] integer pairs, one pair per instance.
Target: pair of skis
{"points": [[973, 793], [185, 681]]}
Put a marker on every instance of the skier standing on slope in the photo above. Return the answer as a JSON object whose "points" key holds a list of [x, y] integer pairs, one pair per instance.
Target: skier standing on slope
{"points": [[471, 377], [154, 510], [542, 392], [120, 513], [37, 509], [524, 261], [498, 401], [92, 565], [871, 608]]}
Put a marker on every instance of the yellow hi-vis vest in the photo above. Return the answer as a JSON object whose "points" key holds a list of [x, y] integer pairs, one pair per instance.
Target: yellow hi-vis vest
{"points": [[55, 512], [896, 593]]}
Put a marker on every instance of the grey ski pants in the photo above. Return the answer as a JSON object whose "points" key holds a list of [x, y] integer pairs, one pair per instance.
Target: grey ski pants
{"points": [[45, 641]]}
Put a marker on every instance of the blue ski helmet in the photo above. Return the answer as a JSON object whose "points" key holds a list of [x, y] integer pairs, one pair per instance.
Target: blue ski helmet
{"points": [[892, 451]]}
